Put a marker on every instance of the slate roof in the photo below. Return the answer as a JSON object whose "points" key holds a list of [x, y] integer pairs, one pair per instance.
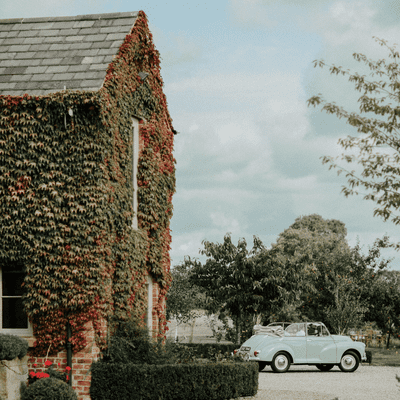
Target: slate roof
{"points": [[42, 55]]}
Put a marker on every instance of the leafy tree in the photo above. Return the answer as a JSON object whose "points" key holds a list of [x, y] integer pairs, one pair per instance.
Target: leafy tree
{"points": [[385, 303], [329, 281], [378, 125], [184, 299], [231, 279]]}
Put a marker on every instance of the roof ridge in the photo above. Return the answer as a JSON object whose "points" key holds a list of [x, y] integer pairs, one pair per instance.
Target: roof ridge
{"points": [[71, 18]]}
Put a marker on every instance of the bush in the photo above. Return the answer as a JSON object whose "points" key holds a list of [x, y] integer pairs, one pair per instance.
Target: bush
{"points": [[133, 344], [49, 389], [208, 381], [210, 350], [12, 346]]}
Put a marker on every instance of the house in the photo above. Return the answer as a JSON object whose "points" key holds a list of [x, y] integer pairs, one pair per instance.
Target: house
{"points": [[87, 176]]}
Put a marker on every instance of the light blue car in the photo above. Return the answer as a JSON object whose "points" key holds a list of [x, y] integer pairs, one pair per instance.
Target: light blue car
{"points": [[304, 343]]}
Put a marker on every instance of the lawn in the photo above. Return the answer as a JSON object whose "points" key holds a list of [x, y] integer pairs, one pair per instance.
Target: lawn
{"points": [[383, 357]]}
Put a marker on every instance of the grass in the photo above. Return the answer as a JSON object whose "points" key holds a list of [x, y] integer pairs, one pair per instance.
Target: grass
{"points": [[385, 358]]}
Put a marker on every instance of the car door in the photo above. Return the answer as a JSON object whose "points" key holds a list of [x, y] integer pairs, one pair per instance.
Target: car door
{"points": [[295, 338], [321, 348]]}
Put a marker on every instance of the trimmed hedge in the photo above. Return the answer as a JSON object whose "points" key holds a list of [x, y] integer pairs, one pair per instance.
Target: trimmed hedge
{"points": [[211, 381], [12, 346], [206, 349]]}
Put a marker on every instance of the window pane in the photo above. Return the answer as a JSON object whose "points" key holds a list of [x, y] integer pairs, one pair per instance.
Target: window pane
{"points": [[14, 316], [12, 281]]}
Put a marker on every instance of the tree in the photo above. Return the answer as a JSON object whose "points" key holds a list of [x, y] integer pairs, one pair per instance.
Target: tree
{"points": [[231, 279], [330, 280], [379, 129], [184, 299], [385, 303]]}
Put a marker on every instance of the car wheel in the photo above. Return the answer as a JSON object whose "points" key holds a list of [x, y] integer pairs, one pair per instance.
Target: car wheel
{"points": [[261, 365], [325, 367], [280, 362], [349, 362]]}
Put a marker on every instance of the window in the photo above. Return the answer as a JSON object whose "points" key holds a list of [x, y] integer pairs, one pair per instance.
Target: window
{"points": [[149, 308], [135, 158], [12, 316]]}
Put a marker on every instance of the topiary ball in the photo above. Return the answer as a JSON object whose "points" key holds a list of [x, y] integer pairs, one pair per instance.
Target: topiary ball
{"points": [[49, 389]]}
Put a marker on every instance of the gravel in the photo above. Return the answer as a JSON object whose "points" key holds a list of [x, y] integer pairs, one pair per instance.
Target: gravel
{"points": [[308, 383]]}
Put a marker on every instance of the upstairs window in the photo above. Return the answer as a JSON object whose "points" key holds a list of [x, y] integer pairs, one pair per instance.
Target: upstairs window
{"points": [[135, 159]]}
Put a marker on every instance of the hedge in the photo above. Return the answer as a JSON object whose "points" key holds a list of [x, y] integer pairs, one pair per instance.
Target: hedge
{"points": [[211, 381], [206, 349]]}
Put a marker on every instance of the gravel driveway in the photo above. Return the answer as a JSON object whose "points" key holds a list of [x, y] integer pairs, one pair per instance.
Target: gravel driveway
{"points": [[308, 383]]}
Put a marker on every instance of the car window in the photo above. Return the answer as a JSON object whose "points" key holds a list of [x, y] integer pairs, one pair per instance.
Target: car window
{"points": [[315, 329], [295, 330]]}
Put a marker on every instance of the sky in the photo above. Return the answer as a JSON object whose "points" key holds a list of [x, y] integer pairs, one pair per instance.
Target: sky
{"points": [[237, 75]]}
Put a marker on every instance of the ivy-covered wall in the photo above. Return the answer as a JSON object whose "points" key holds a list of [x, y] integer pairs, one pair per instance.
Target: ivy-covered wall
{"points": [[66, 197]]}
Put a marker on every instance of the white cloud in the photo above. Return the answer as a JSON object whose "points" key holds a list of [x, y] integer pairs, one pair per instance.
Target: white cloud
{"points": [[226, 223]]}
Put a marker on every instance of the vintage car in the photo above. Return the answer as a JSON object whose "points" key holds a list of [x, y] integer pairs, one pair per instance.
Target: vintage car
{"points": [[303, 343]]}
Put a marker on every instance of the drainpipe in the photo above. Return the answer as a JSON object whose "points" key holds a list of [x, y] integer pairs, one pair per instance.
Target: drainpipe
{"points": [[69, 352]]}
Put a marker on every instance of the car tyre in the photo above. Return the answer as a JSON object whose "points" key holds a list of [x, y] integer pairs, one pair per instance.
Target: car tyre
{"points": [[349, 362], [280, 362], [261, 365], [325, 367]]}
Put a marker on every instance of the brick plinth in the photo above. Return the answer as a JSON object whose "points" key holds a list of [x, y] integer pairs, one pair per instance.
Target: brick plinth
{"points": [[81, 363]]}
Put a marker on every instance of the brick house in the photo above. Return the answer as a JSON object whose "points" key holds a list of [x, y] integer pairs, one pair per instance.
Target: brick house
{"points": [[86, 183]]}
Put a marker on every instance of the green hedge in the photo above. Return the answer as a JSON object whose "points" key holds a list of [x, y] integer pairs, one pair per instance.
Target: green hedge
{"points": [[206, 349], [210, 381]]}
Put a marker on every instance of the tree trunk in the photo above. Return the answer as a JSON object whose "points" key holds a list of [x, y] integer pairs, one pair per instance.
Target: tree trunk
{"points": [[388, 340], [192, 330], [238, 330]]}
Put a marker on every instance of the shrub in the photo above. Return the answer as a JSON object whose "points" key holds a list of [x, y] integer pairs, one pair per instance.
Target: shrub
{"points": [[200, 381], [12, 346], [49, 389], [133, 344]]}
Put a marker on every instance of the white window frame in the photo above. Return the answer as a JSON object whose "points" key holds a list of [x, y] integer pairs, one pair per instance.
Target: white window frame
{"points": [[135, 160], [149, 286], [19, 332]]}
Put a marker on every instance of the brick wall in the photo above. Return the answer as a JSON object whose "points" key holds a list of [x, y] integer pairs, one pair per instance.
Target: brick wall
{"points": [[81, 363]]}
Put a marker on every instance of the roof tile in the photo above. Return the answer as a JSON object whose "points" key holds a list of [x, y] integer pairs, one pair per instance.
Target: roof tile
{"points": [[10, 41], [15, 70], [6, 78], [7, 56], [19, 78], [24, 55], [40, 47], [49, 32], [93, 60], [29, 62], [83, 24], [41, 77], [28, 33], [57, 68], [36, 70], [94, 38], [18, 48], [10, 63], [74, 38], [33, 40], [63, 24], [7, 85], [80, 45], [51, 61], [78, 68], [115, 36]]}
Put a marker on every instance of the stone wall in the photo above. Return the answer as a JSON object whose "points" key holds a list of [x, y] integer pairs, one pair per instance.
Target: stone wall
{"points": [[12, 374]]}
